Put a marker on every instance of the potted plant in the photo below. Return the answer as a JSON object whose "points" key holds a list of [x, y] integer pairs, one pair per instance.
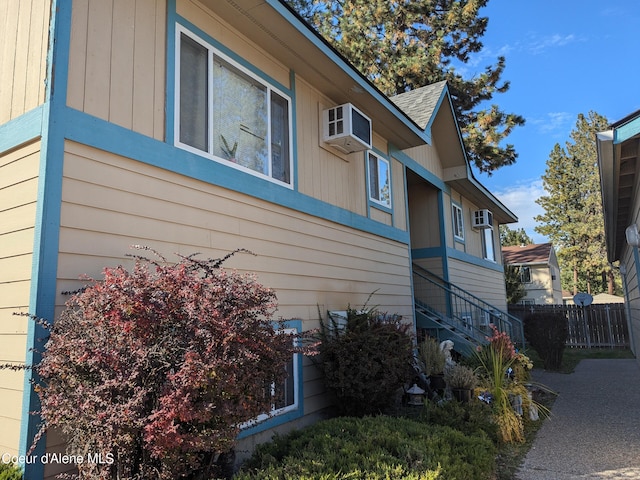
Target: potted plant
{"points": [[461, 380], [432, 360]]}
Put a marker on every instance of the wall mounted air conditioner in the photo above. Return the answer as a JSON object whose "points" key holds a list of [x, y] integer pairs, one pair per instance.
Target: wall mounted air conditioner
{"points": [[482, 219], [346, 128]]}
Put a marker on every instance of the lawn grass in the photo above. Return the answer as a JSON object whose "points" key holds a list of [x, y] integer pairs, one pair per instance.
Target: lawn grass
{"points": [[511, 456], [572, 356]]}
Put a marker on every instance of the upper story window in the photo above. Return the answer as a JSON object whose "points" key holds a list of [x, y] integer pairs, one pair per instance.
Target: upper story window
{"points": [[228, 114], [488, 245], [458, 222], [379, 174], [525, 274]]}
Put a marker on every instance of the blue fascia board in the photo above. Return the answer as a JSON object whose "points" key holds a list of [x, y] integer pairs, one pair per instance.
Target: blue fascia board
{"points": [[22, 129], [444, 94], [626, 131], [415, 167], [344, 64], [42, 294], [473, 260], [449, 252], [100, 134], [428, 252]]}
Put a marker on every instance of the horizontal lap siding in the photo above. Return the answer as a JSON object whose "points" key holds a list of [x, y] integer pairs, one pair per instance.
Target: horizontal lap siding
{"points": [[18, 191], [110, 203], [487, 284], [24, 30]]}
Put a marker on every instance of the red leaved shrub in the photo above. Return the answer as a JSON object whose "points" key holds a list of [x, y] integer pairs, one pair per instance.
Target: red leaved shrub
{"points": [[157, 368]]}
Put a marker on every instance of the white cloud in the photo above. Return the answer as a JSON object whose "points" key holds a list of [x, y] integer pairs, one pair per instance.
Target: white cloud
{"points": [[520, 199], [553, 123], [539, 45]]}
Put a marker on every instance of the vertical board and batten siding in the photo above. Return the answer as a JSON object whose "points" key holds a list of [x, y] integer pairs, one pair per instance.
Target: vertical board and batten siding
{"points": [[220, 31], [24, 36], [427, 157], [336, 179], [632, 283], [399, 195], [323, 172], [424, 216], [110, 203], [472, 237], [117, 62], [18, 194], [484, 283]]}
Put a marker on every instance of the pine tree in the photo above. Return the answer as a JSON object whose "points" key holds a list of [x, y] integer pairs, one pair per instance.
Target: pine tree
{"points": [[515, 237], [573, 217], [401, 45]]}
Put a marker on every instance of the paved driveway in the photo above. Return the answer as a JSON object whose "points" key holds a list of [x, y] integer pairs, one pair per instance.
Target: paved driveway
{"points": [[594, 431]]}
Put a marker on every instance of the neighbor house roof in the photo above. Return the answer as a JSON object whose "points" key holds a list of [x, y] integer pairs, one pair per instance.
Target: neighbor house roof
{"points": [[537, 253]]}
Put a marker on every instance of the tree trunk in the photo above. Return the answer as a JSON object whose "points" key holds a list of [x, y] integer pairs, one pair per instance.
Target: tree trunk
{"points": [[610, 282]]}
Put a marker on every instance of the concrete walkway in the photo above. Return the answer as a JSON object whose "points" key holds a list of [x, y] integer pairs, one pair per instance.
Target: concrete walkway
{"points": [[594, 430]]}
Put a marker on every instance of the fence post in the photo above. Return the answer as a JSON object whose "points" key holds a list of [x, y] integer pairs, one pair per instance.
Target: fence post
{"points": [[608, 309]]}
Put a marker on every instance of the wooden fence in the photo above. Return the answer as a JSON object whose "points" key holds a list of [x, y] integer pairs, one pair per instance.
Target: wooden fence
{"points": [[603, 325]]}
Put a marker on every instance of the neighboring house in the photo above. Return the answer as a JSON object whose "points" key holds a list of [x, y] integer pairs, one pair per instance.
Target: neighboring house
{"points": [[598, 299], [618, 152], [209, 125], [539, 272]]}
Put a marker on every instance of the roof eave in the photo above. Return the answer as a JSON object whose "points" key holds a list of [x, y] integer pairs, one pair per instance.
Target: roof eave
{"points": [[278, 29], [608, 187]]}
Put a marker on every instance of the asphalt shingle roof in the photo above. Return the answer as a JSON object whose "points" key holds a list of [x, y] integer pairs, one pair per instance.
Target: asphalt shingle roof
{"points": [[420, 104], [534, 253]]}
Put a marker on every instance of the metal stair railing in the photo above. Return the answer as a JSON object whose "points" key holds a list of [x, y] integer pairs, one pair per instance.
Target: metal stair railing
{"points": [[463, 310]]}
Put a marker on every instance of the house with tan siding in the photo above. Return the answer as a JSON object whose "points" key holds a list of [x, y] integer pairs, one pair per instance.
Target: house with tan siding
{"points": [[618, 154], [210, 125], [539, 272]]}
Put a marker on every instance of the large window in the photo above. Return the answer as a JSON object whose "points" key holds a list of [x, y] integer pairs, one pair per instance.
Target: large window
{"points": [[458, 222], [379, 180], [227, 113]]}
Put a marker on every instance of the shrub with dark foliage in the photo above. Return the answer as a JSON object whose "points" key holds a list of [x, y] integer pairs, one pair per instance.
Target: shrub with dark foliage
{"points": [[366, 361], [9, 471], [547, 333], [157, 368]]}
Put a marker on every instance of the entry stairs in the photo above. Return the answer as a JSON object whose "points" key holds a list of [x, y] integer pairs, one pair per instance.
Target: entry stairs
{"points": [[447, 312]]}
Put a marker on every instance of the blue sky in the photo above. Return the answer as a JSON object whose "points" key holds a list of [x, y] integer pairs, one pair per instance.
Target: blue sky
{"points": [[563, 57]]}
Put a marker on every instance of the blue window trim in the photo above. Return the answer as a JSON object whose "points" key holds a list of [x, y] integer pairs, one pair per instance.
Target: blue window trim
{"points": [[274, 421], [371, 201], [226, 55]]}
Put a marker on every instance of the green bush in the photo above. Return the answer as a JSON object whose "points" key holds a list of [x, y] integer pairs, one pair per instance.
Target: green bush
{"points": [[473, 418], [547, 333], [366, 361], [373, 448], [9, 471]]}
